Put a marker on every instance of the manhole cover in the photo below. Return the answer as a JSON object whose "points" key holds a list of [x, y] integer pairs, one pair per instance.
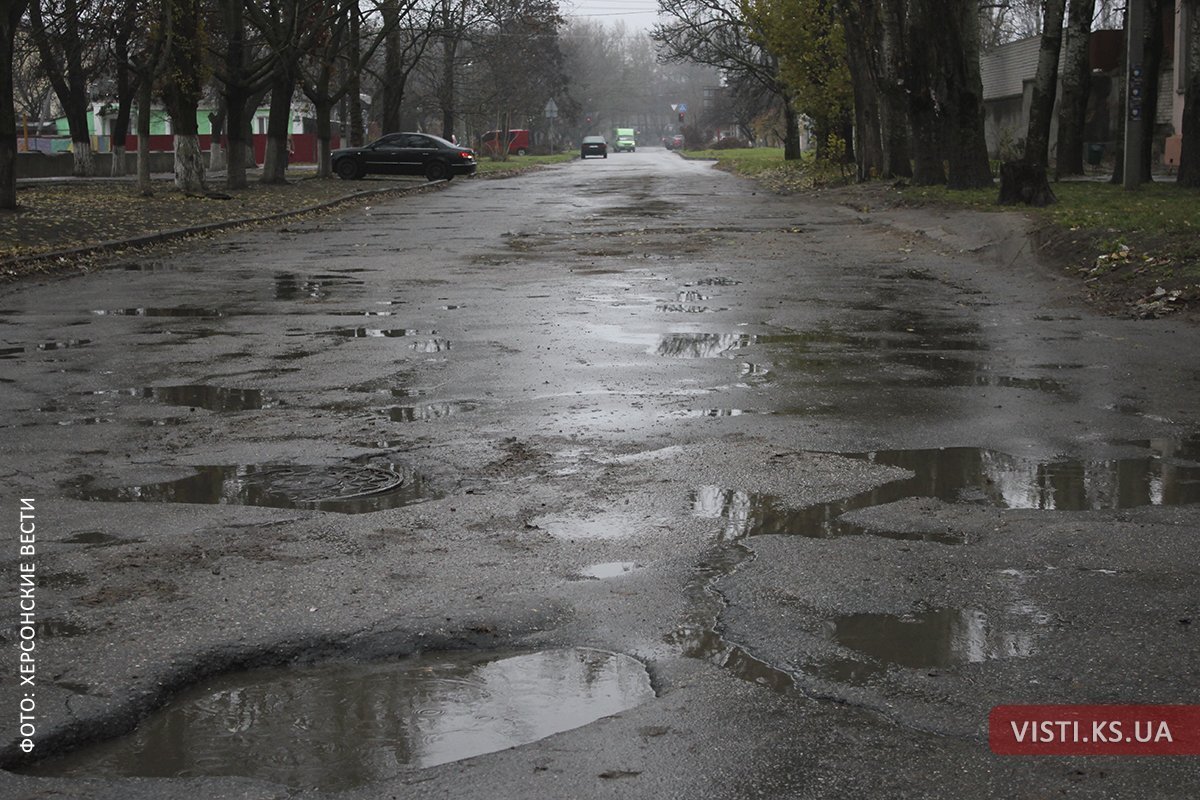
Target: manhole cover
{"points": [[348, 488], [309, 484]]}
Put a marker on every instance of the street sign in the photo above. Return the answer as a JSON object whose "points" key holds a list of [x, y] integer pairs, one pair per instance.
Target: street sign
{"points": [[682, 108], [551, 110], [674, 106]]}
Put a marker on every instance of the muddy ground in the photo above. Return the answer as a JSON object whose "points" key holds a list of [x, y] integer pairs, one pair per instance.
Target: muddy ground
{"points": [[849, 479]]}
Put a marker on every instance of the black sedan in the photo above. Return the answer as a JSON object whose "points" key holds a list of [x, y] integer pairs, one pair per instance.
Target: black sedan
{"points": [[593, 146], [405, 154]]}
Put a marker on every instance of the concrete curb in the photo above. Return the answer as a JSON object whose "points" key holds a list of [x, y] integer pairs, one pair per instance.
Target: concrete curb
{"points": [[210, 227]]}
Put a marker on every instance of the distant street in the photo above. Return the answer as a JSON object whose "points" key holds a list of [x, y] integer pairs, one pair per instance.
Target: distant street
{"points": [[802, 487]]}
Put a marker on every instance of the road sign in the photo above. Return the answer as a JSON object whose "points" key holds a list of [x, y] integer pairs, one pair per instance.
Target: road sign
{"points": [[682, 108], [551, 110]]}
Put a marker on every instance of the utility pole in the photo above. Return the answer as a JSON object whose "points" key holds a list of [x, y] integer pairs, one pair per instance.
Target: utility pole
{"points": [[1135, 112]]}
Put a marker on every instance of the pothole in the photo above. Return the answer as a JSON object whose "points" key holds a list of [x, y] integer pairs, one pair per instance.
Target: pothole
{"points": [[967, 474], [337, 726], [608, 569], [347, 489]]}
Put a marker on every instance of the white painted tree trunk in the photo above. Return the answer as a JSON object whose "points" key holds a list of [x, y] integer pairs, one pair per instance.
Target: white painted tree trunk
{"points": [[216, 157], [118, 162], [189, 165], [85, 165]]}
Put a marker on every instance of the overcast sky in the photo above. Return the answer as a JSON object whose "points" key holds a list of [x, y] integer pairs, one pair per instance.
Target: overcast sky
{"points": [[635, 13]]}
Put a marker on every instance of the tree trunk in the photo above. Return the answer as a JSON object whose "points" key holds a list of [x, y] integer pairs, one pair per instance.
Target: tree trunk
{"points": [[893, 106], [145, 93], [324, 136], [966, 145], [393, 88], [868, 144], [1045, 86], [81, 141], [217, 159], [354, 90], [921, 69], [1151, 63], [1076, 85], [446, 98], [278, 128], [1189, 157], [189, 164], [791, 134], [1118, 176], [10, 17], [120, 127]]}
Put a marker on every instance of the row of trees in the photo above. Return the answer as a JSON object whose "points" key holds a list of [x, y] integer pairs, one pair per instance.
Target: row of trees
{"points": [[234, 55], [903, 75], [437, 64]]}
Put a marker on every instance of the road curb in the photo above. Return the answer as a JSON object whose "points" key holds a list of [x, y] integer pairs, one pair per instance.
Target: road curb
{"points": [[6, 265]]}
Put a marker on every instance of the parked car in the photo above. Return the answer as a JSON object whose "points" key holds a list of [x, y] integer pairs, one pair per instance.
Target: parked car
{"points": [[675, 142], [518, 142], [625, 140], [405, 154], [593, 146]]}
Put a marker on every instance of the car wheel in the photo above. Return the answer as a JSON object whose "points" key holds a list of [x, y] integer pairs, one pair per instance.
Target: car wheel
{"points": [[435, 171], [521, 152], [606, 155], [347, 169]]}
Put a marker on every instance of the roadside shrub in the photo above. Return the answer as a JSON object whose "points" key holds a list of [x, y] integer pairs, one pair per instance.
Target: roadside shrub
{"points": [[731, 143]]}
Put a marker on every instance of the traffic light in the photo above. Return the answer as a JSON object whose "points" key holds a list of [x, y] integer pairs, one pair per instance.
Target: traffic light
{"points": [[681, 116]]}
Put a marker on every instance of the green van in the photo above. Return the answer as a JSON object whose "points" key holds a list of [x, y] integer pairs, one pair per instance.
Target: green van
{"points": [[625, 140]]}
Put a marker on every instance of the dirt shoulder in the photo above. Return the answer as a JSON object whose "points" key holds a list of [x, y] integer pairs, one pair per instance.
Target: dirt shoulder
{"points": [[1124, 271]]}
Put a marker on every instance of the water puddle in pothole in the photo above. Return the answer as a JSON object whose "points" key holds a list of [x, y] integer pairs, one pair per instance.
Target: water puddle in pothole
{"points": [[684, 308], [924, 640], [609, 569], [210, 398], [700, 345], [346, 489], [428, 411], [1169, 475], [97, 539], [175, 311], [337, 726], [378, 333]]}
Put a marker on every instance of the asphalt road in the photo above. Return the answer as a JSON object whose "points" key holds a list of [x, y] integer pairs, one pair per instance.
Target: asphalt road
{"points": [[841, 478]]}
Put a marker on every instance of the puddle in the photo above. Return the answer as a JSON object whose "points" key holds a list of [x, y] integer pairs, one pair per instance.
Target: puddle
{"points": [[609, 569], [64, 345], [97, 538], [361, 313], [211, 398], [428, 411], [683, 308], [11, 352], [933, 639], [700, 345], [337, 726], [49, 628], [176, 311], [751, 514], [373, 333], [345, 489], [968, 474], [715, 282], [431, 346]]}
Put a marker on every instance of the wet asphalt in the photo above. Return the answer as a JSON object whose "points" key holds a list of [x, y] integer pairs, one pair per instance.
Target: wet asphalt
{"points": [[842, 478]]}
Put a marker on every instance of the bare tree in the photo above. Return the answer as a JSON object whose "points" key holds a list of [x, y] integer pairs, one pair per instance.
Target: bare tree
{"points": [[713, 32], [11, 12], [69, 38], [1189, 159], [1072, 106]]}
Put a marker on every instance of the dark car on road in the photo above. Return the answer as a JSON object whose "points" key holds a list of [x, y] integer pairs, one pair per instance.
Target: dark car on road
{"points": [[405, 154], [593, 146]]}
